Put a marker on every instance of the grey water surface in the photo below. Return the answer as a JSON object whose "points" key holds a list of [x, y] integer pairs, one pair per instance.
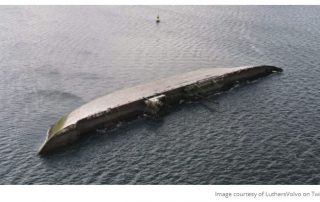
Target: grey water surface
{"points": [[55, 58]]}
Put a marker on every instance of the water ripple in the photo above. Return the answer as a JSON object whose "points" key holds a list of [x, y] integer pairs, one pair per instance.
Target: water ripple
{"points": [[55, 58]]}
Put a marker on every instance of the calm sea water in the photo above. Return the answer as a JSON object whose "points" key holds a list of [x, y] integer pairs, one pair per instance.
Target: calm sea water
{"points": [[55, 58]]}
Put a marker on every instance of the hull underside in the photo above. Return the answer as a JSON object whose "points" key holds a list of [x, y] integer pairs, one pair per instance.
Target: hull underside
{"points": [[150, 98]]}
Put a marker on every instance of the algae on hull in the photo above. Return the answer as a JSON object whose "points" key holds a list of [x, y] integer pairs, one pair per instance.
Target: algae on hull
{"points": [[57, 126]]}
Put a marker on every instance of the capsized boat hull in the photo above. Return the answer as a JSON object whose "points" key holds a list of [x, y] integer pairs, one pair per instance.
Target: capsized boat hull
{"points": [[149, 98]]}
